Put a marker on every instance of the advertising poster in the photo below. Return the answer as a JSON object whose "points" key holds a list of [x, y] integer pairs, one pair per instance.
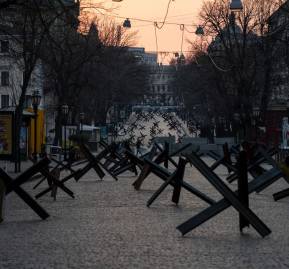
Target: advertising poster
{"points": [[6, 135], [23, 141]]}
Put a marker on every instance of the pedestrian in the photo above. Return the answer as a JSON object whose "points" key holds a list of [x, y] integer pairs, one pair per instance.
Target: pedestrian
{"points": [[138, 146]]}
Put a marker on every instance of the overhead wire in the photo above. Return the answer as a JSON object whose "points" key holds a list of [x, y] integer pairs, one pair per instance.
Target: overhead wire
{"points": [[165, 18], [182, 28], [180, 15], [145, 20], [217, 67], [186, 29], [148, 21], [115, 15], [159, 25], [156, 39]]}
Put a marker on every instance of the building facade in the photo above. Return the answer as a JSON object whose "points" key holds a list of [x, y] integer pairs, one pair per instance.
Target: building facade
{"points": [[160, 91], [278, 106], [11, 81], [12, 69]]}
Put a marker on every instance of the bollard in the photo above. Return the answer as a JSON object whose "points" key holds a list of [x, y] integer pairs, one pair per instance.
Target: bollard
{"points": [[227, 156], [2, 198], [243, 191], [167, 153]]}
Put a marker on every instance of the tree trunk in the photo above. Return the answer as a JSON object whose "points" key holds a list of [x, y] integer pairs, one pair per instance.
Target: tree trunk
{"points": [[17, 128], [266, 91], [58, 128]]}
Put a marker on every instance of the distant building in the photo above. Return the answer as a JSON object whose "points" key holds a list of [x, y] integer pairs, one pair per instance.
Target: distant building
{"points": [[278, 107], [279, 30], [144, 57], [11, 81], [160, 90]]}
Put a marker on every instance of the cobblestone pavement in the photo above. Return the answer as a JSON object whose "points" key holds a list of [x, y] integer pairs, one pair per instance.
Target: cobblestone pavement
{"points": [[108, 225]]}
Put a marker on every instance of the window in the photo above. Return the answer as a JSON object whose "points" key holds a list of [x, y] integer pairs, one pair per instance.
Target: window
{"points": [[4, 101], [4, 78], [4, 46]]}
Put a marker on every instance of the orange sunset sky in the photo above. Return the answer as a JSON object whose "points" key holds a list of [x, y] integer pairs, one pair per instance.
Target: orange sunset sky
{"points": [[170, 36]]}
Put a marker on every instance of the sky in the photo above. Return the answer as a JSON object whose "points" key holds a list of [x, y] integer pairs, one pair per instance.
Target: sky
{"points": [[169, 38]]}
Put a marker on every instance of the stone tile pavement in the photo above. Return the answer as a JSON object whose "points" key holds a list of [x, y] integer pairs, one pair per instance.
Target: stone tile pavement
{"points": [[108, 225]]}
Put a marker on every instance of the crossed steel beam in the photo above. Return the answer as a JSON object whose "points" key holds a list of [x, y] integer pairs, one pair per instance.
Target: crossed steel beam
{"points": [[175, 179], [14, 185], [230, 198]]}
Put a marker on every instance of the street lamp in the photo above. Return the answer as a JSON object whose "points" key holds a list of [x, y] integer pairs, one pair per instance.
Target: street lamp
{"points": [[81, 117], [65, 110], [126, 23], [236, 118], [199, 31], [35, 100], [256, 114], [236, 6]]}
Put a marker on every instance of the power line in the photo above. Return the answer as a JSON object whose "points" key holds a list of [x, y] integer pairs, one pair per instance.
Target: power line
{"points": [[181, 15], [156, 38], [164, 20], [182, 28], [148, 21], [162, 23], [169, 51]]}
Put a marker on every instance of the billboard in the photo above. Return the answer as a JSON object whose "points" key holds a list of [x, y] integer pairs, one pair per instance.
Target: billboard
{"points": [[6, 135]]}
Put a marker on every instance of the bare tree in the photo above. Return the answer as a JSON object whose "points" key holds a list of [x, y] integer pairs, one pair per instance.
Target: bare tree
{"points": [[114, 77], [27, 24], [66, 54], [240, 53]]}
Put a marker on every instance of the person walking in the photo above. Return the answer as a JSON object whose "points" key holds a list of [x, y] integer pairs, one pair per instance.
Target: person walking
{"points": [[138, 146]]}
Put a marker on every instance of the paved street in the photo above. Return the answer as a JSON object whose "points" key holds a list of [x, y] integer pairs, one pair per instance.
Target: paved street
{"points": [[109, 226]]}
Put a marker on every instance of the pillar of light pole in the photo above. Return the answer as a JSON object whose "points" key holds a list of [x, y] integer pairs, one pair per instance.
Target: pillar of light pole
{"points": [[81, 117], [256, 115], [236, 118], [65, 110], [35, 100]]}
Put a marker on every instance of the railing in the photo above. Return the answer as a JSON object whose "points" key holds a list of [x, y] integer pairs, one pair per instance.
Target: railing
{"points": [[282, 154]]}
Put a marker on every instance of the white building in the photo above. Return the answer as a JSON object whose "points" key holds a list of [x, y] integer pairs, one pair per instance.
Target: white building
{"points": [[160, 92], [11, 73]]}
